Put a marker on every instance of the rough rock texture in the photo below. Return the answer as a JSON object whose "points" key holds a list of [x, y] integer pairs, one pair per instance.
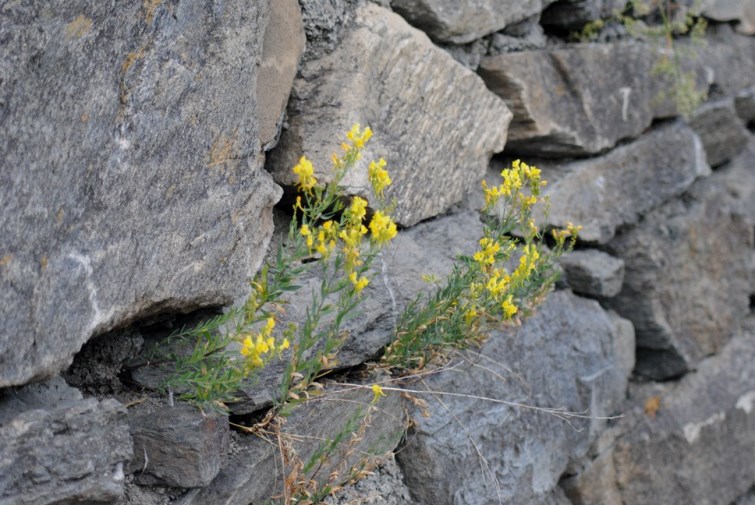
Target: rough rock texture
{"points": [[689, 256], [61, 449], [729, 57], [604, 193], [461, 22], [696, 447], [744, 103], [721, 130], [177, 445], [132, 183], [433, 244], [391, 84], [742, 11], [573, 14], [385, 486], [253, 474], [577, 100], [593, 273], [473, 451]]}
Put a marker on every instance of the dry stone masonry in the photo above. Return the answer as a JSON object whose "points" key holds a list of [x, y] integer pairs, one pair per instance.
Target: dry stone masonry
{"points": [[144, 147]]}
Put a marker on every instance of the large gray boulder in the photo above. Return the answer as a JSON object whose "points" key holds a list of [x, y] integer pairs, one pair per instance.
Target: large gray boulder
{"points": [[727, 56], [437, 135], [57, 448], [688, 272], [686, 442], [131, 139], [461, 22], [579, 100], [468, 450], [607, 192]]}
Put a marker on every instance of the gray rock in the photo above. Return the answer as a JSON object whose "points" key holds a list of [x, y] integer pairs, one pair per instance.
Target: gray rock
{"points": [[574, 14], [533, 38], [461, 22], [567, 356], [727, 56], [385, 486], [68, 452], [282, 48], [177, 446], [593, 273], [745, 106], [254, 472], [324, 23], [397, 92], [697, 448], [690, 256], [721, 130], [468, 55], [134, 152], [605, 193], [578, 100], [14, 401], [746, 499], [742, 11]]}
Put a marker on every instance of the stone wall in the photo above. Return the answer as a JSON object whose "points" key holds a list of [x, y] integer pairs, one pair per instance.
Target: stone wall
{"points": [[144, 148]]}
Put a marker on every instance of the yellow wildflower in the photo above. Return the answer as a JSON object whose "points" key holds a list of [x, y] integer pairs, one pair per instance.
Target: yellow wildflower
{"points": [[378, 175], [497, 283], [383, 228], [359, 137], [356, 211], [359, 283], [377, 392], [486, 256], [307, 234], [305, 171], [508, 307], [469, 315], [491, 195]]}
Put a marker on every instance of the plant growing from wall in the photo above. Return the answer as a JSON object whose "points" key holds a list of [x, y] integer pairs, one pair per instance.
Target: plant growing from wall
{"points": [[340, 238], [660, 22]]}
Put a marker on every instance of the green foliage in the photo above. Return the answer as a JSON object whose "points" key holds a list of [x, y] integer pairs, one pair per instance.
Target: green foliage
{"points": [[480, 290], [502, 282]]}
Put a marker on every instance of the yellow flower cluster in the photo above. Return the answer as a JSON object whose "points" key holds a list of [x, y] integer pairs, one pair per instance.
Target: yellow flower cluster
{"points": [[379, 178], [508, 307], [305, 171], [486, 256], [359, 137], [255, 347], [383, 229], [527, 263], [571, 231], [515, 179]]}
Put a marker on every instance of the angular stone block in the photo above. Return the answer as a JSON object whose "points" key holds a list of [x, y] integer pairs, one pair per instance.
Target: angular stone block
{"points": [[177, 446], [461, 22], [474, 451], [727, 56], [721, 130], [131, 137], [578, 100], [593, 273], [605, 193], [688, 267], [437, 135], [697, 448], [63, 450]]}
